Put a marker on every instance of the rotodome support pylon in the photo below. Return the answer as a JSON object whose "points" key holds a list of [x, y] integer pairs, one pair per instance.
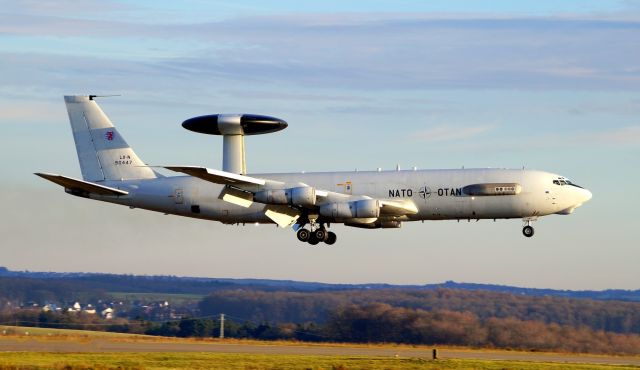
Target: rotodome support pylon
{"points": [[233, 128]]}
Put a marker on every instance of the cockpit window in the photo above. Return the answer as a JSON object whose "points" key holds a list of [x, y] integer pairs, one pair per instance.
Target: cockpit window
{"points": [[563, 182], [572, 184]]}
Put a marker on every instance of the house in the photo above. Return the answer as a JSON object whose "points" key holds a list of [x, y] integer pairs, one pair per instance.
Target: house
{"points": [[50, 307], [89, 309], [107, 313]]}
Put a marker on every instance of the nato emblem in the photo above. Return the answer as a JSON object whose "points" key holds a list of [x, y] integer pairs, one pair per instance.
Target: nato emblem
{"points": [[424, 192]]}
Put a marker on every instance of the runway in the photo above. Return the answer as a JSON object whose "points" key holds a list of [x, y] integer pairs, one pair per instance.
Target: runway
{"points": [[146, 345]]}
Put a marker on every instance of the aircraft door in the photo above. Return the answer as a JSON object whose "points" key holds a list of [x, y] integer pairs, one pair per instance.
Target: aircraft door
{"points": [[345, 187], [552, 193]]}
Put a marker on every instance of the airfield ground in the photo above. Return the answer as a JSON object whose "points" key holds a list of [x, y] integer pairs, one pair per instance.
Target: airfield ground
{"points": [[51, 348]]}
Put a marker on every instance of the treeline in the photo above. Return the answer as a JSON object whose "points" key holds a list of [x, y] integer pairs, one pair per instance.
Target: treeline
{"points": [[382, 323], [199, 285], [24, 290], [70, 320], [258, 306], [94, 287], [371, 323]]}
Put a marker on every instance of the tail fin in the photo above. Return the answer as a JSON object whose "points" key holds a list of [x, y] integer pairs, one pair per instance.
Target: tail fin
{"points": [[102, 152]]}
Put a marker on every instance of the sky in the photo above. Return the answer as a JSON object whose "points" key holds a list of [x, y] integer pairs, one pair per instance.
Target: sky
{"points": [[546, 85]]}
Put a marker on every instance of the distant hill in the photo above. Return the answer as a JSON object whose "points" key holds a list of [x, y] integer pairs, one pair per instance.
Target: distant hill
{"points": [[83, 281]]}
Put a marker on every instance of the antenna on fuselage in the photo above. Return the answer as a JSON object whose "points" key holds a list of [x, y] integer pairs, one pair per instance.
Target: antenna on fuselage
{"points": [[233, 128]]}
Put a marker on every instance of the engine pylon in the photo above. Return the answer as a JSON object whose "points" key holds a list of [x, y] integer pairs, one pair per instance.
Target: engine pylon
{"points": [[233, 128]]}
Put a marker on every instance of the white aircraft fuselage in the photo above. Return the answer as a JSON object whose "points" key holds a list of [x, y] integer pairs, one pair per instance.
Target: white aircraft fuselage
{"points": [[437, 194], [113, 173]]}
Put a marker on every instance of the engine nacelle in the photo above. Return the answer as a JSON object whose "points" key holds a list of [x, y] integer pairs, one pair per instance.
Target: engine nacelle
{"points": [[301, 196], [366, 208], [272, 197]]}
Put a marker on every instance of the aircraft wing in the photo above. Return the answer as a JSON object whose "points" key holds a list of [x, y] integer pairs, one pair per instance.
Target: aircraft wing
{"points": [[217, 176], [235, 191], [79, 186], [240, 190]]}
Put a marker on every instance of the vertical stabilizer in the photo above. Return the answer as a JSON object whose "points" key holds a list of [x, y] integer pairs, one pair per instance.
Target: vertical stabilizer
{"points": [[102, 152]]}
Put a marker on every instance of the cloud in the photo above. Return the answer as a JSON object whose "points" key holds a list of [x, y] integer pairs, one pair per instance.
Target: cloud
{"points": [[355, 51], [17, 112], [419, 53], [597, 141], [629, 135], [65, 8], [449, 133]]}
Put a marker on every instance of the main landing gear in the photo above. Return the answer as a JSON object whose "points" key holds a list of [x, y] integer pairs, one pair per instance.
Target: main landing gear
{"points": [[527, 229], [316, 236]]}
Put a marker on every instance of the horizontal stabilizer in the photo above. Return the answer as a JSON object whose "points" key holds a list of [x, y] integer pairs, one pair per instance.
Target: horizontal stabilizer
{"points": [[81, 187], [217, 176]]}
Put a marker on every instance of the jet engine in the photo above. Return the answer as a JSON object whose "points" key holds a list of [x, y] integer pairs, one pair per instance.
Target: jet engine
{"points": [[366, 208], [300, 196]]}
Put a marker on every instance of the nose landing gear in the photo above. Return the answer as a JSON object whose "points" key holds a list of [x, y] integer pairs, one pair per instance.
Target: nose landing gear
{"points": [[527, 229], [316, 236]]}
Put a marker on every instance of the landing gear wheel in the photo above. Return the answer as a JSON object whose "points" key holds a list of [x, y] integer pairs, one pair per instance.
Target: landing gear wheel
{"points": [[331, 238], [303, 235], [527, 231], [312, 239], [320, 234]]}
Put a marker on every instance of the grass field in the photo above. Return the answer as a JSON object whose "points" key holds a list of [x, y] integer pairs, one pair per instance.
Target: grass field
{"points": [[32, 331], [258, 362]]}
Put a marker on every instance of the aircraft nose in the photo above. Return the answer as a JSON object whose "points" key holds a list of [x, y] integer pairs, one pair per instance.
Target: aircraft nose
{"points": [[586, 195]]}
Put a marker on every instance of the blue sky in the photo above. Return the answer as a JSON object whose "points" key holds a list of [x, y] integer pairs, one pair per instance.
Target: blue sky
{"points": [[439, 84]]}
